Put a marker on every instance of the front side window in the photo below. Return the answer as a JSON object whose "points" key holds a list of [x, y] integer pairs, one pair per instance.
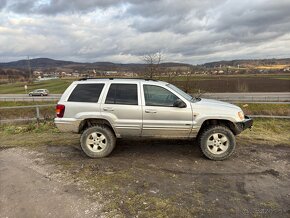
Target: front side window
{"points": [[86, 93], [158, 96], [122, 94]]}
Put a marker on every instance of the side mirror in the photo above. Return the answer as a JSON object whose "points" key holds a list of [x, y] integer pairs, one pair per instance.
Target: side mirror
{"points": [[179, 103]]}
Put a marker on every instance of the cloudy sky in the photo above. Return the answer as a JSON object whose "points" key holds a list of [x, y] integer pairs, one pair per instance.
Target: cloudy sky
{"points": [[191, 31]]}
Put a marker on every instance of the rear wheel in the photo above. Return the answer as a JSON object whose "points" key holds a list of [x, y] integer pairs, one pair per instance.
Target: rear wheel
{"points": [[217, 142], [98, 141]]}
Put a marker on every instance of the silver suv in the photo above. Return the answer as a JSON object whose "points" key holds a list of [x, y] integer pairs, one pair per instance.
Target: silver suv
{"points": [[105, 109], [39, 92]]}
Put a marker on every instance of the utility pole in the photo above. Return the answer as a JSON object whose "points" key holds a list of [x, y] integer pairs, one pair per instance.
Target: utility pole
{"points": [[29, 69]]}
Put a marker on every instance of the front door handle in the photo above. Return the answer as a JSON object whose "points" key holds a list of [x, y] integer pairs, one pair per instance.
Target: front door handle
{"points": [[108, 109], [150, 111]]}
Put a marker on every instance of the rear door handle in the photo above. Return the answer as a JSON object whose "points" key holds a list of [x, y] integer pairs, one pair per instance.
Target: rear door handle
{"points": [[108, 109], [150, 111]]}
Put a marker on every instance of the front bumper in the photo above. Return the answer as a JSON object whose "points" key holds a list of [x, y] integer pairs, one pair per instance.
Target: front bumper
{"points": [[247, 123]]}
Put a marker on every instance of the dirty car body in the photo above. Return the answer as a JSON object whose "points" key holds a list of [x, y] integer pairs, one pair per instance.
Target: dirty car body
{"points": [[147, 109]]}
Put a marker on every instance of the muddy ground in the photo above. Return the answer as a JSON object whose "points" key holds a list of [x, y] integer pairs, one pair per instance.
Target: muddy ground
{"points": [[144, 179]]}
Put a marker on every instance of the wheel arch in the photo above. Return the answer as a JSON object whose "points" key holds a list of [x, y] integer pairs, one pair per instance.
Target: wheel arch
{"points": [[222, 122], [89, 122]]}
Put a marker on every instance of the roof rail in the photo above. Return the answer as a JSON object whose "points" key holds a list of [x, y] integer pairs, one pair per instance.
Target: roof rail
{"points": [[112, 78]]}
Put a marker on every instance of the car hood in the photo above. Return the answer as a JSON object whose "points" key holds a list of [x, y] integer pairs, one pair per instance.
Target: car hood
{"points": [[216, 103]]}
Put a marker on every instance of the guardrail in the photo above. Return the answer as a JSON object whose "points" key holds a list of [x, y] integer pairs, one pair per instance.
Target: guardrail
{"points": [[14, 99], [283, 98], [37, 116], [249, 99]]}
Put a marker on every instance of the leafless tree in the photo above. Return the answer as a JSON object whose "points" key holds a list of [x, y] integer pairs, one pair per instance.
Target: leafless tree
{"points": [[152, 62], [188, 82]]}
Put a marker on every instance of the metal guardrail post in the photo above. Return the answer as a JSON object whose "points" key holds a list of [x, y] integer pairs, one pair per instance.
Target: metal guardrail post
{"points": [[37, 115]]}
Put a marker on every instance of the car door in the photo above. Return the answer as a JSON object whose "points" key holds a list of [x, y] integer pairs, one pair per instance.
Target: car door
{"points": [[160, 117], [122, 108]]}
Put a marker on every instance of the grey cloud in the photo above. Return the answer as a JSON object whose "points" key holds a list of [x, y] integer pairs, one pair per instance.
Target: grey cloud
{"points": [[23, 6], [58, 6], [183, 30], [2, 4], [270, 18]]}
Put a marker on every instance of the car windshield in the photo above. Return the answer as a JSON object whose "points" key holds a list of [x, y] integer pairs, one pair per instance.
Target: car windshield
{"points": [[183, 94]]}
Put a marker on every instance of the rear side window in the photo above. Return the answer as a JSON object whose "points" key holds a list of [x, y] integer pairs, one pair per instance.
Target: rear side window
{"points": [[86, 92], [122, 94]]}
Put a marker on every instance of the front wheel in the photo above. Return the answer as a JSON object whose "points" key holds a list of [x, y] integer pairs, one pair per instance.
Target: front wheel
{"points": [[98, 141], [217, 142]]}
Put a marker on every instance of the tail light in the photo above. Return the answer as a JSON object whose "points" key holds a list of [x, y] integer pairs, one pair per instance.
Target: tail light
{"points": [[59, 110]]}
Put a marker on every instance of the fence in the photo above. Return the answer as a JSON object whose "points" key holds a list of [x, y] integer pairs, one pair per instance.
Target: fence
{"points": [[14, 99], [229, 97], [37, 115], [250, 98]]}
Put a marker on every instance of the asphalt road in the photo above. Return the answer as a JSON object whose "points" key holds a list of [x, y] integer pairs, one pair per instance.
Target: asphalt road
{"points": [[238, 97]]}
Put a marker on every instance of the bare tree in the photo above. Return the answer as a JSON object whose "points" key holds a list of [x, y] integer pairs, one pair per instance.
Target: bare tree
{"points": [[153, 64]]}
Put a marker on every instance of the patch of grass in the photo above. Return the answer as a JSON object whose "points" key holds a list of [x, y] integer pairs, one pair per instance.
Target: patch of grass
{"points": [[33, 134], [24, 103], [47, 112], [54, 86], [33, 127], [267, 132], [266, 109], [272, 67]]}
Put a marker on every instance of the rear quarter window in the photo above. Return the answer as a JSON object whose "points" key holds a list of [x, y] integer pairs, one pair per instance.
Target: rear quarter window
{"points": [[86, 93], [125, 94]]}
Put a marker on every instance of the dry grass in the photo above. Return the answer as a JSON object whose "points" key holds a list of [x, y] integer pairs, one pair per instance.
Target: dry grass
{"points": [[266, 109], [33, 134], [47, 112], [268, 132], [272, 67]]}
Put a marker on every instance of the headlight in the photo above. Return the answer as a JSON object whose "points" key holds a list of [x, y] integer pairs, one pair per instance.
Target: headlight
{"points": [[241, 115]]}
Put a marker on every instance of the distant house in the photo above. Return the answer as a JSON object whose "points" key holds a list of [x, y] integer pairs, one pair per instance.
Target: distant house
{"points": [[75, 74], [37, 73], [111, 72]]}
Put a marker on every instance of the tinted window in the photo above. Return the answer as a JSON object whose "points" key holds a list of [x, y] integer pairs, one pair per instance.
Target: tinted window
{"points": [[122, 94], [158, 96], [86, 93]]}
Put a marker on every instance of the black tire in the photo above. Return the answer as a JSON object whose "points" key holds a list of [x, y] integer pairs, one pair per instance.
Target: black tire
{"points": [[213, 145], [99, 130]]}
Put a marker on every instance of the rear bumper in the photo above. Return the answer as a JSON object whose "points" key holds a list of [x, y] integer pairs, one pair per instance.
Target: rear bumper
{"points": [[245, 124], [67, 124]]}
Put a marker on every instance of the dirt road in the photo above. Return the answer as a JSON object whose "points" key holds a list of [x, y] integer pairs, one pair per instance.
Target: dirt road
{"points": [[29, 190], [145, 179]]}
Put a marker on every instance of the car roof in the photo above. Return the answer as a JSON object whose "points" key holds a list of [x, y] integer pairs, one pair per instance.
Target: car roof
{"points": [[92, 80]]}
